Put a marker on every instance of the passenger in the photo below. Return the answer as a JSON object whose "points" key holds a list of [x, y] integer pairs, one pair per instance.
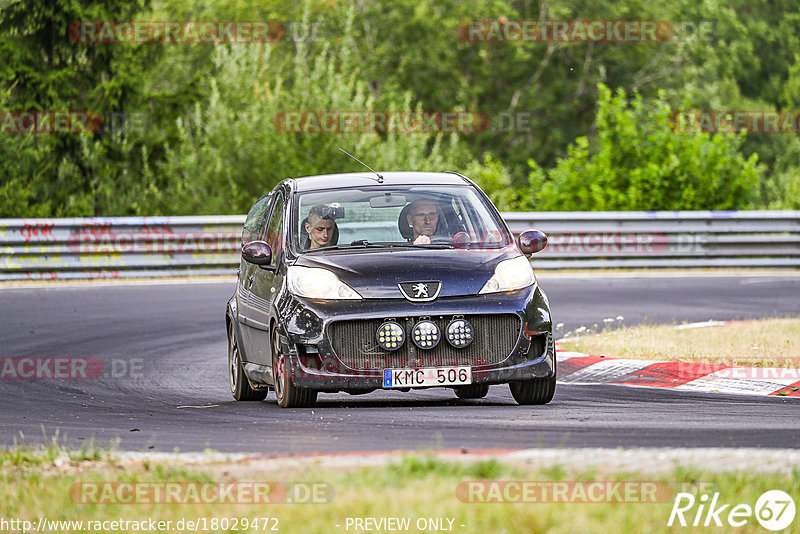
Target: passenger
{"points": [[320, 226], [423, 219]]}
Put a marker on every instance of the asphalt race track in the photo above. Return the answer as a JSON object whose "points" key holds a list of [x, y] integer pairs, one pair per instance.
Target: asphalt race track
{"points": [[168, 386]]}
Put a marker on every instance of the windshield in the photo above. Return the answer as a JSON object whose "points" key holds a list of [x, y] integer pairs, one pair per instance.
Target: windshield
{"points": [[410, 216]]}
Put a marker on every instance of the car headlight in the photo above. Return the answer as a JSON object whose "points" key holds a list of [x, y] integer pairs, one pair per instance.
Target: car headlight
{"points": [[509, 275], [315, 283]]}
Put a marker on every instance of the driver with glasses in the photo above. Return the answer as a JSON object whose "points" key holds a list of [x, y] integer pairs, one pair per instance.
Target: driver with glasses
{"points": [[423, 218]]}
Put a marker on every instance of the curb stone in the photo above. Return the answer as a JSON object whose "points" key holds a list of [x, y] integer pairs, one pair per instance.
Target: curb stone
{"points": [[579, 368]]}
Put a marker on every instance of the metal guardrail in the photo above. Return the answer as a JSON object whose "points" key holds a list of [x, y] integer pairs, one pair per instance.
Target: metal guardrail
{"points": [[647, 239], [116, 247]]}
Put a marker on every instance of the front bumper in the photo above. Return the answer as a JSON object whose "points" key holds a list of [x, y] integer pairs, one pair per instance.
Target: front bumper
{"points": [[316, 365], [305, 377]]}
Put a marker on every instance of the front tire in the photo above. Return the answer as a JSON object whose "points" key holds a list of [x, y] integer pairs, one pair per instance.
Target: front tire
{"points": [[473, 391], [531, 392], [287, 394], [240, 386]]}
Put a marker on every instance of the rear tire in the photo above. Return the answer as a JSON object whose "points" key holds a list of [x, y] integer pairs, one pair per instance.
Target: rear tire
{"points": [[286, 393], [537, 391], [240, 385], [474, 391]]}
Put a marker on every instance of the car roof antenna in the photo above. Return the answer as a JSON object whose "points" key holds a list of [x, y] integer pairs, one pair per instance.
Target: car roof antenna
{"points": [[380, 178]]}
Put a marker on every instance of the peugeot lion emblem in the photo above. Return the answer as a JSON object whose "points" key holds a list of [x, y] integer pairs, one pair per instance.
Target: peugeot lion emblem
{"points": [[420, 291]]}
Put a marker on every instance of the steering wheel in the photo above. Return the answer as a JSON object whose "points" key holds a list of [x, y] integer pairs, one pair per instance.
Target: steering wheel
{"points": [[460, 240]]}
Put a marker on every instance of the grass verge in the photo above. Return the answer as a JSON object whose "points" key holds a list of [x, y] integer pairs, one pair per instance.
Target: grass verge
{"points": [[763, 343], [415, 487]]}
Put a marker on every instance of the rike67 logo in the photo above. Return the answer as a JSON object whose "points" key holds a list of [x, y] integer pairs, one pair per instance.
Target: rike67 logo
{"points": [[774, 510]]}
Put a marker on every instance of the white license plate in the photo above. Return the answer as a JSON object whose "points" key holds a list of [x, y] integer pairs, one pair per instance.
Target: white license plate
{"points": [[429, 376]]}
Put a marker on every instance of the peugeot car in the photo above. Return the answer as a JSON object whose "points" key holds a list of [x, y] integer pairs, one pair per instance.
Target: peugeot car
{"points": [[398, 280]]}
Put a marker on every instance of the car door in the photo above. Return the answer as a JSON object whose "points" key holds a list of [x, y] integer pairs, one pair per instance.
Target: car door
{"points": [[254, 225], [265, 284]]}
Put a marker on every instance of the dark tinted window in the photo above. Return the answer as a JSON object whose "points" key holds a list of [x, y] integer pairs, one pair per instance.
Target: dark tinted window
{"points": [[256, 218], [274, 234]]}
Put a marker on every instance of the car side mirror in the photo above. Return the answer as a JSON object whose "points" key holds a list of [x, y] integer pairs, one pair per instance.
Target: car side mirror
{"points": [[257, 253], [531, 241]]}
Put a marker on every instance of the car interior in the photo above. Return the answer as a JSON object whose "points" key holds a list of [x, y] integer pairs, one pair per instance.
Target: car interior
{"points": [[447, 220], [305, 240], [450, 222]]}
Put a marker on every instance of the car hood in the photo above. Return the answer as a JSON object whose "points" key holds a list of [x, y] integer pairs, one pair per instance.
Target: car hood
{"points": [[377, 273]]}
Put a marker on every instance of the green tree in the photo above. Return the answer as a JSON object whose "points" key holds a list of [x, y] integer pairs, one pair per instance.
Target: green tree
{"points": [[639, 162], [45, 68], [18, 185], [235, 143], [208, 124]]}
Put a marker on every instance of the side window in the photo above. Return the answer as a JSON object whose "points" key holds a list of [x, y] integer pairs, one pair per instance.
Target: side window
{"points": [[274, 235], [256, 218]]}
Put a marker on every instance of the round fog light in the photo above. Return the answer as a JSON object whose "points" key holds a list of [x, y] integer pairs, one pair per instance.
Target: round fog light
{"points": [[390, 336], [425, 334], [459, 333]]}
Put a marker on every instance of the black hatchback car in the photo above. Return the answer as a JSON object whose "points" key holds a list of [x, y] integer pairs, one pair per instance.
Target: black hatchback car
{"points": [[357, 282]]}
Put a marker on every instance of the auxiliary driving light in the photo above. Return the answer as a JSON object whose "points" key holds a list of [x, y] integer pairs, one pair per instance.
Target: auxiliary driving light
{"points": [[390, 336], [425, 334], [459, 333]]}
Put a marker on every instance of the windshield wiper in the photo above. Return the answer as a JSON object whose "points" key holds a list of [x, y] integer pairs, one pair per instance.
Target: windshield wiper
{"points": [[380, 244], [364, 243], [339, 247], [412, 245]]}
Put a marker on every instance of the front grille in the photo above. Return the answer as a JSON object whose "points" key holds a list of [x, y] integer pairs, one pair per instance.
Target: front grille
{"points": [[355, 346]]}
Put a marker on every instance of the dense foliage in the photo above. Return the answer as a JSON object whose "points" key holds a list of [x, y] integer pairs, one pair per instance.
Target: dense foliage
{"points": [[191, 128], [641, 162]]}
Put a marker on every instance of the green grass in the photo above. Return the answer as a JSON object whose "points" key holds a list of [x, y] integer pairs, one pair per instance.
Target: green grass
{"points": [[50, 451], [415, 486], [762, 343]]}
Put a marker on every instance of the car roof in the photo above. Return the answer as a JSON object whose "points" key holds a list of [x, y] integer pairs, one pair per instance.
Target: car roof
{"points": [[361, 179]]}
